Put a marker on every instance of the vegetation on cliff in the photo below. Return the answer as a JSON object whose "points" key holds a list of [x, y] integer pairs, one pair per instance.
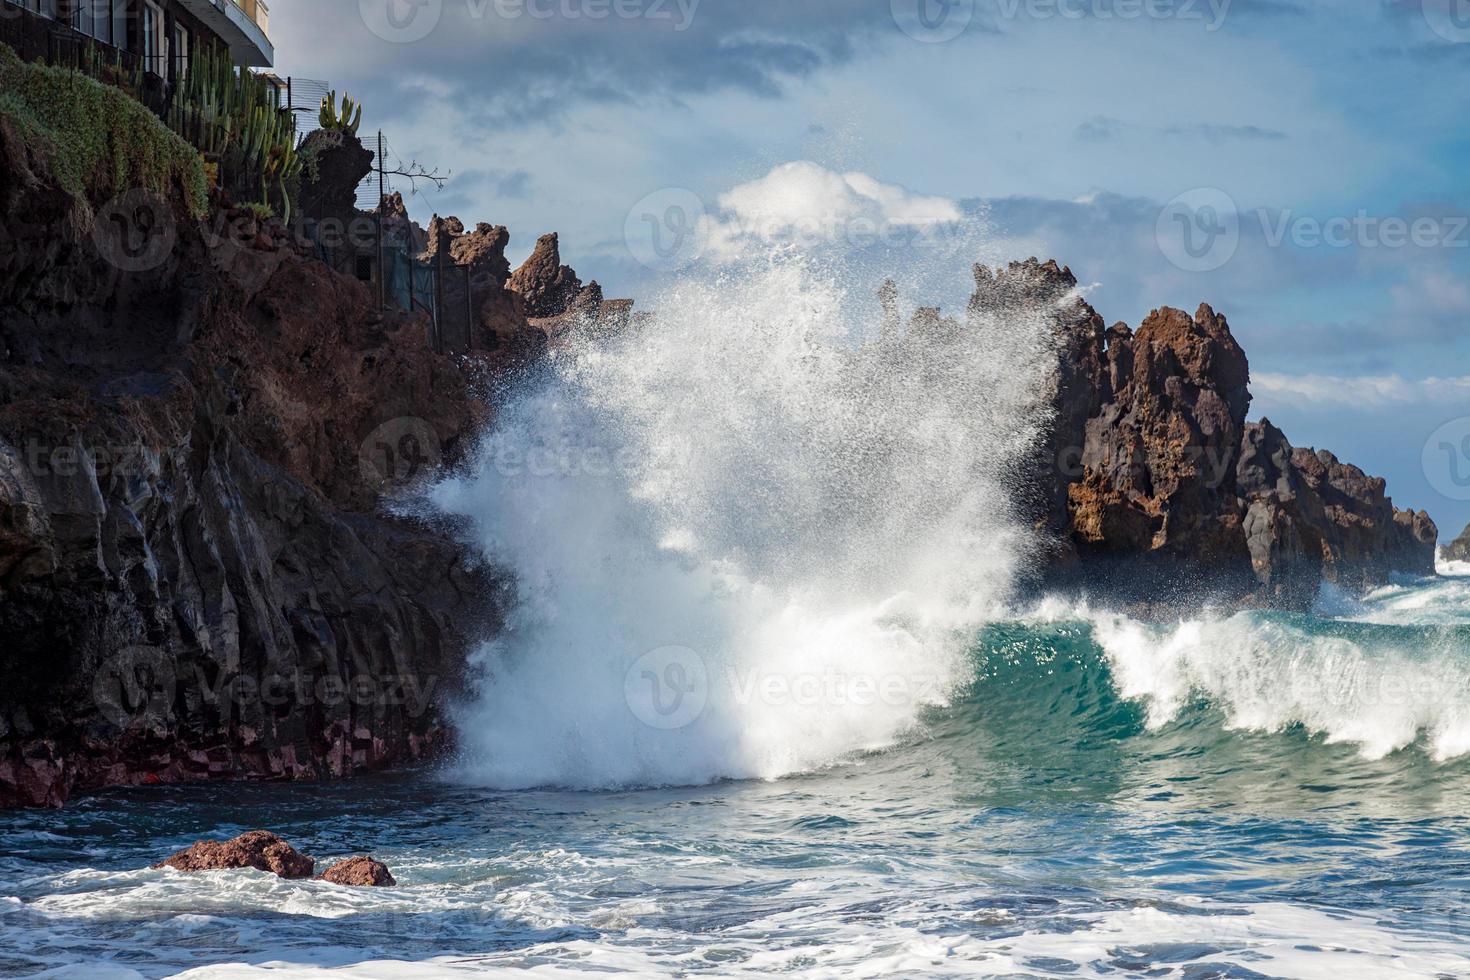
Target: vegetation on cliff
{"points": [[97, 141]]}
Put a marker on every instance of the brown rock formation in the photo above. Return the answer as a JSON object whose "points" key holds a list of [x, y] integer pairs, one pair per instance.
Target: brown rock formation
{"points": [[547, 287], [1153, 484], [1079, 386], [400, 230], [362, 872], [337, 164], [1158, 456], [258, 849], [481, 313]]}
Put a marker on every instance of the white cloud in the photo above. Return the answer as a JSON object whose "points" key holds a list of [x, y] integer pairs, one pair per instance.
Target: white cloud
{"points": [[1433, 292], [1369, 391], [804, 204]]}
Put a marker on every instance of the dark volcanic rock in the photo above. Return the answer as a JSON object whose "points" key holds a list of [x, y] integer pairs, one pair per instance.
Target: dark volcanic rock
{"points": [[362, 872], [258, 849], [339, 164], [1459, 549], [1158, 458], [1154, 487], [1079, 386], [198, 577]]}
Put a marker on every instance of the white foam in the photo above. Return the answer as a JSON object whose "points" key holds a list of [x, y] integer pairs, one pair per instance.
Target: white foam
{"points": [[817, 525], [1272, 939], [1379, 689]]}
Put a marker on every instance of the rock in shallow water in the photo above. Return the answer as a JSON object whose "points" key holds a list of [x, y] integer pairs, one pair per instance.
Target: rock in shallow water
{"points": [[360, 871], [258, 849]]}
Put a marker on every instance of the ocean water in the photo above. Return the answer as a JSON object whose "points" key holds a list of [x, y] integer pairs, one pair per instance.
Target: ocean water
{"points": [[1045, 823], [767, 703]]}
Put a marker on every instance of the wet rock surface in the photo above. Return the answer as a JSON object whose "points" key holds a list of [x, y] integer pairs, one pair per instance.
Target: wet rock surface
{"points": [[258, 849], [361, 872], [1154, 488], [199, 574]]}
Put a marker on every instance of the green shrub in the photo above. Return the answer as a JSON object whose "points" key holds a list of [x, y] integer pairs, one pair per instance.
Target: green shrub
{"points": [[98, 141]]}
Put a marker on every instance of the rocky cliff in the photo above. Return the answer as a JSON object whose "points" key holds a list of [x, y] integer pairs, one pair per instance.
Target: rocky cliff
{"points": [[198, 576], [1155, 489]]}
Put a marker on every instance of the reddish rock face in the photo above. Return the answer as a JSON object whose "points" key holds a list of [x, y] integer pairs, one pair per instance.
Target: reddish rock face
{"points": [[1152, 483], [258, 849], [548, 288], [362, 872], [1159, 455]]}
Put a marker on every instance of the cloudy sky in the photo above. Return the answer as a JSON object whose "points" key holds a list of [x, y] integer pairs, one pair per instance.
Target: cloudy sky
{"points": [[1302, 165]]}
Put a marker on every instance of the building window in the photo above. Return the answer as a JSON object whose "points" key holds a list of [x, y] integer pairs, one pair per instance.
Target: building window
{"points": [[120, 24], [95, 18], [155, 41], [181, 49]]}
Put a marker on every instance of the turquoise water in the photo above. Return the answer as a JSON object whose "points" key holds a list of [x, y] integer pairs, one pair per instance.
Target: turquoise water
{"points": [[1101, 799]]}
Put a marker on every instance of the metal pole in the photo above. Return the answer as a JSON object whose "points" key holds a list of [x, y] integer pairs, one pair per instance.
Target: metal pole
{"points": [[382, 194], [439, 250], [408, 266]]}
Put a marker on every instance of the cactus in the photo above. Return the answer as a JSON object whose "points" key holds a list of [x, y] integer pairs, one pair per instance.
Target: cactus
{"points": [[233, 117], [347, 121]]}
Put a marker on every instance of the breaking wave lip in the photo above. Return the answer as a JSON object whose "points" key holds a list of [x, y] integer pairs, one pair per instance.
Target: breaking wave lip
{"points": [[1381, 686], [782, 503]]}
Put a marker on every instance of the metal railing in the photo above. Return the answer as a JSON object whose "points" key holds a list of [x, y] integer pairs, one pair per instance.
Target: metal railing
{"points": [[38, 38]]}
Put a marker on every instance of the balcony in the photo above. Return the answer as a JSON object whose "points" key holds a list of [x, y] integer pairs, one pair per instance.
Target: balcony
{"points": [[243, 24]]}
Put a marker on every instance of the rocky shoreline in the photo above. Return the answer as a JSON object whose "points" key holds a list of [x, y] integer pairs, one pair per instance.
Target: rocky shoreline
{"points": [[1153, 489], [198, 577]]}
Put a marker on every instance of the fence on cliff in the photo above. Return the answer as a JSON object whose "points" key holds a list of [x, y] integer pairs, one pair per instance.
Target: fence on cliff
{"points": [[389, 257]]}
